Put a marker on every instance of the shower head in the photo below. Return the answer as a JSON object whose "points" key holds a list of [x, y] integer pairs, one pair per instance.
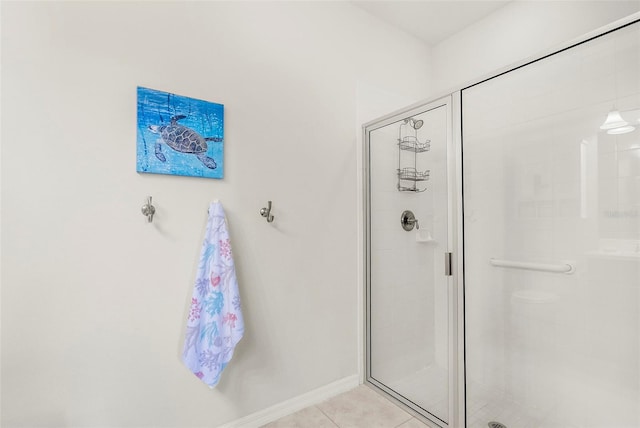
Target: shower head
{"points": [[415, 124]]}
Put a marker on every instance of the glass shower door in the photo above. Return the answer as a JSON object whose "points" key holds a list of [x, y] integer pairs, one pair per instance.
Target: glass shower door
{"points": [[551, 155], [408, 238]]}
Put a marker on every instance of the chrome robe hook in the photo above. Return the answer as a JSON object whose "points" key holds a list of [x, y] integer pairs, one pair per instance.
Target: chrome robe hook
{"points": [[148, 210], [266, 212]]}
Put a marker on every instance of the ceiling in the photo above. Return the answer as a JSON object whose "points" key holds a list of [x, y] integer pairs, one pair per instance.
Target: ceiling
{"points": [[431, 20]]}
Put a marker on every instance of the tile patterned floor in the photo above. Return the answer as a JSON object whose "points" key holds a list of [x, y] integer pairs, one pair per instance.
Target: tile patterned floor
{"points": [[359, 408]]}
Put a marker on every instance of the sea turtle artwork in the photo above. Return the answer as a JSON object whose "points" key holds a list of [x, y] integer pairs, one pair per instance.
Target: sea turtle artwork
{"points": [[184, 140], [179, 135]]}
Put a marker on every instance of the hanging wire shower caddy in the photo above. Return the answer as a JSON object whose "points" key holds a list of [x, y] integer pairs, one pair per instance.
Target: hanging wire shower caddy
{"points": [[409, 176]]}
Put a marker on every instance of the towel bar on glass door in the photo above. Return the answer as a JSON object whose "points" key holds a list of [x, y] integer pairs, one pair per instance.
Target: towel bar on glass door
{"points": [[565, 267]]}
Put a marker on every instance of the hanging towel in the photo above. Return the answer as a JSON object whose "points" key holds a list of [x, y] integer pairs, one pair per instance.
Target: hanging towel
{"points": [[215, 323]]}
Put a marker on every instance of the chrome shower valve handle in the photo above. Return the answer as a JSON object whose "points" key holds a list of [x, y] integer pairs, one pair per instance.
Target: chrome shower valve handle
{"points": [[408, 221]]}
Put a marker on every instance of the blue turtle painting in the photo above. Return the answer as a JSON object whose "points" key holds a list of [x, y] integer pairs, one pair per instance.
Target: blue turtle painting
{"points": [[183, 140], [179, 135]]}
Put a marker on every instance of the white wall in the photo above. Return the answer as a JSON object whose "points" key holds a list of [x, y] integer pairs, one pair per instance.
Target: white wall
{"points": [[93, 298], [517, 31]]}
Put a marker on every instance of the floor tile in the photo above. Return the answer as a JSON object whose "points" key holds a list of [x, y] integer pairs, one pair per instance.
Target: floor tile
{"points": [[310, 417], [413, 423], [363, 408]]}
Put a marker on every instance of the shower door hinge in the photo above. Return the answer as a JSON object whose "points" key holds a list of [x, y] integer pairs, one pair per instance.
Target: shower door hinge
{"points": [[447, 264]]}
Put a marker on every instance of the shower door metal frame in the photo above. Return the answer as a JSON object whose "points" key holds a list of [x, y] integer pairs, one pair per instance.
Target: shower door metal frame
{"points": [[454, 238]]}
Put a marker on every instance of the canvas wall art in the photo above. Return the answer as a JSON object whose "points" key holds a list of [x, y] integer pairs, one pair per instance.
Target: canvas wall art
{"points": [[179, 135]]}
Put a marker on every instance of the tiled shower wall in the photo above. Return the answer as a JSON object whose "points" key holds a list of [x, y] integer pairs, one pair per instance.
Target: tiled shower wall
{"points": [[409, 292], [400, 282]]}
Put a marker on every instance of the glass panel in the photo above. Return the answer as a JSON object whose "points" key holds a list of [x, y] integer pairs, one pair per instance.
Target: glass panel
{"points": [[408, 290], [547, 188]]}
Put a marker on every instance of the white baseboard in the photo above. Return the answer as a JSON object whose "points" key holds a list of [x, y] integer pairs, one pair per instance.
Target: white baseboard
{"points": [[288, 407]]}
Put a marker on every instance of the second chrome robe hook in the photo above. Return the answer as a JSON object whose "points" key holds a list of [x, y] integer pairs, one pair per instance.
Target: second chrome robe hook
{"points": [[266, 212]]}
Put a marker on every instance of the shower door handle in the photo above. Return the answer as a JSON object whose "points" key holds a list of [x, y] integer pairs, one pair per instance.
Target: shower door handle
{"points": [[447, 264]]}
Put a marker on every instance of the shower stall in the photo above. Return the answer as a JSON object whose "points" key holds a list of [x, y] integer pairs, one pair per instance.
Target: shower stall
{"points": [[502, 226]]}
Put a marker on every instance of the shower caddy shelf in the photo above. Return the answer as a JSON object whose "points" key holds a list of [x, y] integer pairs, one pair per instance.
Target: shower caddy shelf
{"points": [[410, 174], [412, 144]]}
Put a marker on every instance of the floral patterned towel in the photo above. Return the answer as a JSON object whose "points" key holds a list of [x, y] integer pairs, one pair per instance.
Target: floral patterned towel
{"points": [[215, 323]]}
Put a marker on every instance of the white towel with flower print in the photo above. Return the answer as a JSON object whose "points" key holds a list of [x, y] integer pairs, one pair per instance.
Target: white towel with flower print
{"points": [[215, 323]]}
